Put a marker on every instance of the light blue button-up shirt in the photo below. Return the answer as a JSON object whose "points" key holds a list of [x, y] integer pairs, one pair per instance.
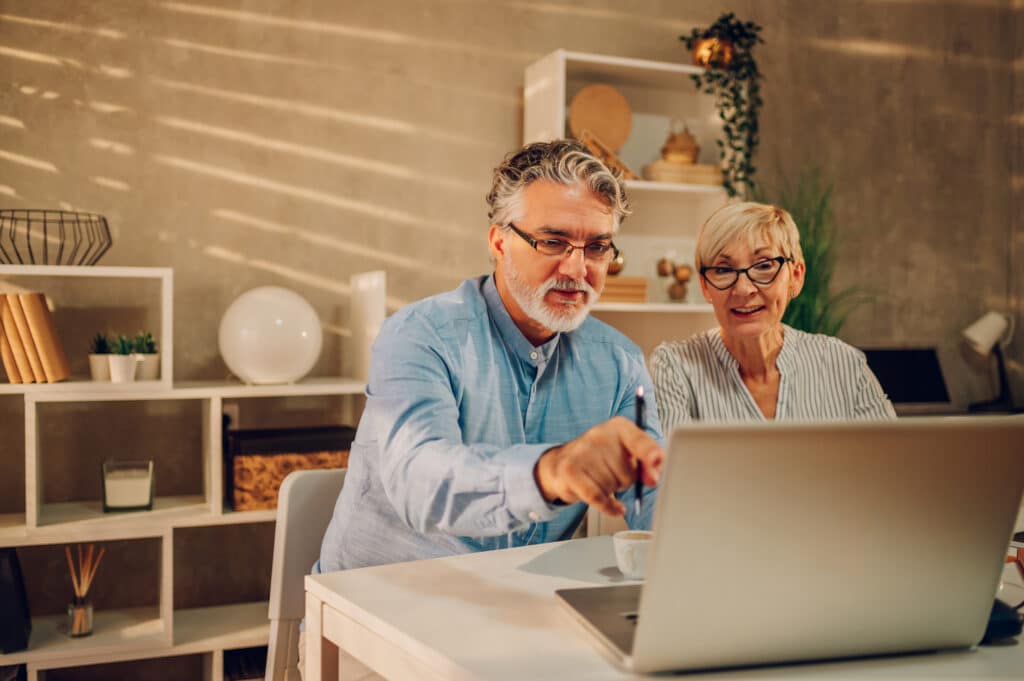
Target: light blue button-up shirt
{"points": [[460, 405]]}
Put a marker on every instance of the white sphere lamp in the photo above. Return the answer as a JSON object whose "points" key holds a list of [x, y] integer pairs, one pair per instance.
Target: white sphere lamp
{"points": [[270, 335]]}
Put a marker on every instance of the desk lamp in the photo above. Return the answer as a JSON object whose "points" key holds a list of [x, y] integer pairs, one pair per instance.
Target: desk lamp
{"points": [[988, 335]]}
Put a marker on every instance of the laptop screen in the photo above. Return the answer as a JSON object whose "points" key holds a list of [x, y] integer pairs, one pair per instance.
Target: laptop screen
{"points": [[909, 374]]}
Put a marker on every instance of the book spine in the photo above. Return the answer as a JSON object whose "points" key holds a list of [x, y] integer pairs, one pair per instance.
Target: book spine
{"points": [[14, 338], [35, 366], [44, 336], [7, 356]]}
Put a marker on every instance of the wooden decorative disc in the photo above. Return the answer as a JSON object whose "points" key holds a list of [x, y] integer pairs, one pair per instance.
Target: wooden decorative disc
{"points": [[602, 110]]}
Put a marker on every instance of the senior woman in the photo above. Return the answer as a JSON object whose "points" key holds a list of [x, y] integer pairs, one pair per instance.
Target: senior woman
{"points": [[754, 367]]}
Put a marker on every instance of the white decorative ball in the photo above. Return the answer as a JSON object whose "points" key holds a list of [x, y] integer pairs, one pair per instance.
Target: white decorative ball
{"points": [[270, 335]]}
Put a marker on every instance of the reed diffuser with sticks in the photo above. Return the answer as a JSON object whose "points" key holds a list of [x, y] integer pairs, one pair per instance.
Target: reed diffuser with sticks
{"points": [[80, 608]]}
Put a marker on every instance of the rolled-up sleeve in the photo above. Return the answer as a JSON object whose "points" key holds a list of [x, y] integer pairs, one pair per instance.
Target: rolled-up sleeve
{"points": [[435, 481]]}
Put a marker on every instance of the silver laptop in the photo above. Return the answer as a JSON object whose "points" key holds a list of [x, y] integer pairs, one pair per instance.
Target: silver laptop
{"points": [[780, 542]]}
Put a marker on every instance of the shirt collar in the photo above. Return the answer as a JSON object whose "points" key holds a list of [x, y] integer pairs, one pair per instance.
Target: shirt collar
{"points": [[510, 333], [785, 362]]}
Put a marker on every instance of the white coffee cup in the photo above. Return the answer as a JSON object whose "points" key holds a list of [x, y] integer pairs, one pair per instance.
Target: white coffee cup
{"points": [[631, 552]]}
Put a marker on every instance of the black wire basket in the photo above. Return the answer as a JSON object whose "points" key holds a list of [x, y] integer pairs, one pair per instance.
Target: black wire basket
{"points": [[52, 237]]}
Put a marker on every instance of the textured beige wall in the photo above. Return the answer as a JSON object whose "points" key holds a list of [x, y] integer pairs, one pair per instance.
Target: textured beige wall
{"points": [[907, 105], [1016, 355], [294, 143]]}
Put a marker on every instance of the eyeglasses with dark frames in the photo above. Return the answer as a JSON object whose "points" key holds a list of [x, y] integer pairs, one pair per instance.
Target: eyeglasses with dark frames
{"points": [[761, 273], [601, 251]]}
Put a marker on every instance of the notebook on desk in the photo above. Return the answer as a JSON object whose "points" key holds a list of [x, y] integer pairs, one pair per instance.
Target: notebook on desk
{"points": [[781, 542]]}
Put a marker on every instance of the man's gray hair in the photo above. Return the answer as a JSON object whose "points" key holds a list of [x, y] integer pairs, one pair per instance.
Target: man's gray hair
{"points": [[563, 161]]}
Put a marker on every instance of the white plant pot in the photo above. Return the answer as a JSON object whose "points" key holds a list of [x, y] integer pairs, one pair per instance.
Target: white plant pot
{"points": [[149, 366], [99, 367], [122, 368]]}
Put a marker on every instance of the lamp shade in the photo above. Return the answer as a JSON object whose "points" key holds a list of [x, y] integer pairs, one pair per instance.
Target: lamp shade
{"points": [[270, 335], [983, 334]]}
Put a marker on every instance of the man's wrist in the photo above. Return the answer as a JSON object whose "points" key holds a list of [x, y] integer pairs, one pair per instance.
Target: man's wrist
{"points": [[543, 475]]}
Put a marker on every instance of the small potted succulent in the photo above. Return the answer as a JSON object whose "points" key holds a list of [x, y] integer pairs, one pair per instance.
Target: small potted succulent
{"points": [[123, 360], [99, 365], [148, 356]]}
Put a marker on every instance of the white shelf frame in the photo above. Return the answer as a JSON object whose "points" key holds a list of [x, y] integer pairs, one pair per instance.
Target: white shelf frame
{"points": [[159, 631], [207, 509], [165, 275], [657, 87], [225, 627], [636, 186], [115, 631], [208, 631], [545, 88]]}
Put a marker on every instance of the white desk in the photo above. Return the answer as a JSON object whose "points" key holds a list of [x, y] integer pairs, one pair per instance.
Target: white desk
{"points": [[494, 616]]}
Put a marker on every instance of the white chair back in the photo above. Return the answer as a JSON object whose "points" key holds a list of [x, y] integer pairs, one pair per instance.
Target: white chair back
{"points": [[304, 508]]}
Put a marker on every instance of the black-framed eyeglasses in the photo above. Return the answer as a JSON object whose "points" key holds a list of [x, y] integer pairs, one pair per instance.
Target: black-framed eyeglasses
{"points": [[602, 250], [761, 273]]}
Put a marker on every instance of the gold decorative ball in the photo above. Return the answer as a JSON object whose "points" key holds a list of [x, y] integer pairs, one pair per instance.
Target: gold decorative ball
{"points": [[615, 266], [677, 291], [665, 267], [683, 273]]}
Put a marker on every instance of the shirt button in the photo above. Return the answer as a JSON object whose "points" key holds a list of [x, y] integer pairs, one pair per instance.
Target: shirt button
{"points": [[532, 515], [533, 355]]}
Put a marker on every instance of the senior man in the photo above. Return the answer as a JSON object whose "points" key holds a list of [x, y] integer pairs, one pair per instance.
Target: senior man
{"points": [[498, 411]]}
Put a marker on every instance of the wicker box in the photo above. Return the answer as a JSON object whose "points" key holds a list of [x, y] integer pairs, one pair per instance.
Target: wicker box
{"points": [[257, 461]]}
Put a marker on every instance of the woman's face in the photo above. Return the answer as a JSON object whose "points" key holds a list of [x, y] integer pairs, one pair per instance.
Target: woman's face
{"points": [[746, 309]]}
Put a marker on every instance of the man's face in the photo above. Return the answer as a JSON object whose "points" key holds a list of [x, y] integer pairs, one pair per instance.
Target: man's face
{"points": [[547, 294]]}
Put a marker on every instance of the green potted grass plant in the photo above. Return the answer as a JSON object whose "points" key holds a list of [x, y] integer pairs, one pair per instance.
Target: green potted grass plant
{"points": [[123, 360], [148, 356], [99, 365]]}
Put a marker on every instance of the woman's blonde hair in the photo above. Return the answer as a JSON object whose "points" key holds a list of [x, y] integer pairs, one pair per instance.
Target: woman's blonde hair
{"points": [[747, 221]]}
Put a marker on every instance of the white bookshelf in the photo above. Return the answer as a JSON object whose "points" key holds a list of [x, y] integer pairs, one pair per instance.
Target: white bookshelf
{"points": [[666, 215], [207, 631], [116, 632], [158, 631], [91, 391], [641, 186], [36, 277]]}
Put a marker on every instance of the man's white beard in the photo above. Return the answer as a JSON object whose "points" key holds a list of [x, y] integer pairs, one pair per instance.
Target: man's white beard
{"points": [[557, 318]]}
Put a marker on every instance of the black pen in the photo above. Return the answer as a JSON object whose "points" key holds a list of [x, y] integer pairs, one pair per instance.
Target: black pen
{"points": [[638, 488]]}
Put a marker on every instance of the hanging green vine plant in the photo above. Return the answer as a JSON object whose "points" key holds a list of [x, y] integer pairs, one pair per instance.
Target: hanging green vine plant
{"points": [[725, 50]]}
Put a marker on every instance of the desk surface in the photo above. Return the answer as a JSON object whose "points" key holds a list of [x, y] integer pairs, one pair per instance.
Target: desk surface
{"points": [[494, 616]]}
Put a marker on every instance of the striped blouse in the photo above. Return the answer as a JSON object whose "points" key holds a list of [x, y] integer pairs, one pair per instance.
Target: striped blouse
{"points": [[822, 379]]}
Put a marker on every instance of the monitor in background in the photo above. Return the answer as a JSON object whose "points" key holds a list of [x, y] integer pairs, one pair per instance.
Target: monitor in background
{"points": [[912, 378]]}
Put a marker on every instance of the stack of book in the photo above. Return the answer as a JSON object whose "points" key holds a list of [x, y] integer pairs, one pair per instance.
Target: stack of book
{"points": [[692, 173], [619, 289], [29, 346]]}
